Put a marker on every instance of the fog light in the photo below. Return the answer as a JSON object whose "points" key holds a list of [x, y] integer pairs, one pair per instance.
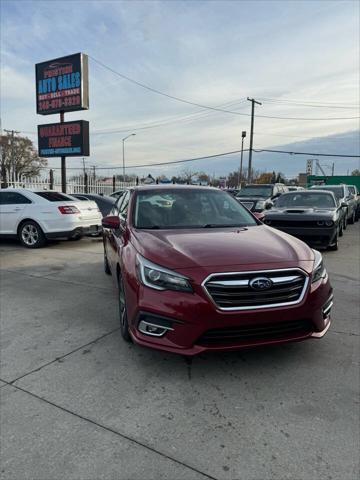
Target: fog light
{"points": [[327, 307], [151, 329]]}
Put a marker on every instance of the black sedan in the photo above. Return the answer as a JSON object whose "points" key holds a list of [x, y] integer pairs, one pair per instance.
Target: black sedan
{"points": [[104, 203], [314, 216]]}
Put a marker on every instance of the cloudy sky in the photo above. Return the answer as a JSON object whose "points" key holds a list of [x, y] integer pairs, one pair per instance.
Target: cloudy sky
{"points": [[299, 58]]}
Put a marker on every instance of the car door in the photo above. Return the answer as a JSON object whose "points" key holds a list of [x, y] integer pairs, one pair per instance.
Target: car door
{"points": [[12, 206]]}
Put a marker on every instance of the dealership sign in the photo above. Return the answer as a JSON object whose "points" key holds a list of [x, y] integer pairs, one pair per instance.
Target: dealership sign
{"points": [[62, 84], [67, 139]]}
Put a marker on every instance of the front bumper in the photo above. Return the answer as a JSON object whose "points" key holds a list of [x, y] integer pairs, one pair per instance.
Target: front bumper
{"points": [[316, 237], [192, 317]]}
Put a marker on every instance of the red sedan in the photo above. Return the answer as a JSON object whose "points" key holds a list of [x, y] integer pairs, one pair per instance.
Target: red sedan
{"points": [[197, 271]]}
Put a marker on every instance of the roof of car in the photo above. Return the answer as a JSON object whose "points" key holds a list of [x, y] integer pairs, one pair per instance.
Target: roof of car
{"points": [[167, 186], [306, 192]]}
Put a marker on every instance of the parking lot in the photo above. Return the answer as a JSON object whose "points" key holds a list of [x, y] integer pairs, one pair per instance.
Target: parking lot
{"points": [[79, 403]]}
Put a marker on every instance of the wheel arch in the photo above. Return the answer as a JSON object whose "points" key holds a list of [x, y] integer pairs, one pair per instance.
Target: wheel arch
{"points": [[28, 219]]}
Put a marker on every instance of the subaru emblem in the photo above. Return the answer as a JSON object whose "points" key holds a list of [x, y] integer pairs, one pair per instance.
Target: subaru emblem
{"points": [[261, 283]]}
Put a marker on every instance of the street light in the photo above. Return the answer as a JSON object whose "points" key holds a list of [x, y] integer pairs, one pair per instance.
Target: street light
{"points": [[123, 149], [243, 135]]}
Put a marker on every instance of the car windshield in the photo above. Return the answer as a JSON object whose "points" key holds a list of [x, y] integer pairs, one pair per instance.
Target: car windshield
{"points": [[255, 191], [301, 199], [337, 191], [188, 208]]}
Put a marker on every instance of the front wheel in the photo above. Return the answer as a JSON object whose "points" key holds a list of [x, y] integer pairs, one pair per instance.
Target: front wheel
{"points": [[335, 244], [106, 264], [31, 235], [124, 325], [352, 218]]}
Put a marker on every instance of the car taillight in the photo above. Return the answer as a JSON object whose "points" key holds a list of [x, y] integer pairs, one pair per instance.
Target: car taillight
{"points": [[66, 210]]}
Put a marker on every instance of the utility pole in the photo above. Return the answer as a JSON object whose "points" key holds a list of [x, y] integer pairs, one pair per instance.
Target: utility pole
{"points": [[333, 169], [243, 135], [83, 161], [63, 160], [251, 135]]}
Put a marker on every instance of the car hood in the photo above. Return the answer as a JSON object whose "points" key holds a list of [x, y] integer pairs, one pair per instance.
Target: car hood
{"points": [[256, 245], [300, 213]]}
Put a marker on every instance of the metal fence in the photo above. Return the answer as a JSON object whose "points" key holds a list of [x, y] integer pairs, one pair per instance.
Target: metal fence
{"points": [[80, 185]]}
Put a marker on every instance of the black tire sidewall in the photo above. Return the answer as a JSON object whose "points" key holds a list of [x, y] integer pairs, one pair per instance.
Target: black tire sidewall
{"points": [[124, 329]]}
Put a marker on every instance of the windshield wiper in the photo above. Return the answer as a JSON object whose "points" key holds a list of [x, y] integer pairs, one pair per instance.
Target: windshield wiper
{"points": [[217, 225]]}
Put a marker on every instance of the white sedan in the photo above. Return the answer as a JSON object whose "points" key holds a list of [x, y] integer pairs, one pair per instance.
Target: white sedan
{"points": [[33, 216]]}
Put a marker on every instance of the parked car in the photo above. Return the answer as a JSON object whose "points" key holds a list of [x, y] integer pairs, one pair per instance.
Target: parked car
{"points": [[205, 274], [294, 188], [104, 203], [36, 216], [346, 199], [232, 191], [354, 191], [259, 197], [117, 194], [314, 216]]}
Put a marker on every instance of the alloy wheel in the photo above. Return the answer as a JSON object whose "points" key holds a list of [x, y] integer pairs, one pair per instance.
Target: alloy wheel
{"points": [[30, 234]]}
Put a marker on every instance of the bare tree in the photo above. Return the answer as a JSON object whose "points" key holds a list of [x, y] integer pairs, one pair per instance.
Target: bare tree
{"points": [[19, 159]]}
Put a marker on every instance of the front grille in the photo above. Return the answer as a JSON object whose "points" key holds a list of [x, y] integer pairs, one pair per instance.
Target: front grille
{"points": [[294, 223], [249, 205], [293, 329], [232, 291]]}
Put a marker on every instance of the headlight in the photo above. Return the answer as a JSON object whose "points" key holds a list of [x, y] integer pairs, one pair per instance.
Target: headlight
{"points": [[329, 223], [267, 221], [161, 278], [260, 204], [319, 270]]}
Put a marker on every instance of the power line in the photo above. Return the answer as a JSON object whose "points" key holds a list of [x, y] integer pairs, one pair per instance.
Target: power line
{"points": [[208, 107], [308, 104], [307, 153], [173, 162]]}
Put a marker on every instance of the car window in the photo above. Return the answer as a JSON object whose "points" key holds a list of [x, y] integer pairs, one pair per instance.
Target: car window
{"points": [[300, 199], [255, 191], [124, 205], [13, 198], [54, 196]]}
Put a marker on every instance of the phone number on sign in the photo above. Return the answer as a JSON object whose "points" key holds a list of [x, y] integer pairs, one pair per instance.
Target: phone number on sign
{"points": [[60, 103]]}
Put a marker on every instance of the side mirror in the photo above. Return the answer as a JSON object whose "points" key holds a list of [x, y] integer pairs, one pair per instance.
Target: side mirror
{"points": [[260, 216], [344, 205], [111, 221]]}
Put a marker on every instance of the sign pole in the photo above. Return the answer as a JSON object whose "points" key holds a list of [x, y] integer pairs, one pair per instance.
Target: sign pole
{"points": [[63, 161]]}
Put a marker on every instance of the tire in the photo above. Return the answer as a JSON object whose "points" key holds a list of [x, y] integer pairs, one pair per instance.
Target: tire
{"points": [[345, 223], [352, 219], [106, 264], [31, 235], [341, 231], [124, 325], [335, 245], [76, 237]]}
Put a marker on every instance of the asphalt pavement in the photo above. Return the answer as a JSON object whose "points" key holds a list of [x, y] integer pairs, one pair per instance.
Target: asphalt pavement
{"points": [[78, 403]]}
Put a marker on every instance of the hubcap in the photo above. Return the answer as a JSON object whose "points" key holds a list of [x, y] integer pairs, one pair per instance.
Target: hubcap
{"points": [[30, 234]]}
